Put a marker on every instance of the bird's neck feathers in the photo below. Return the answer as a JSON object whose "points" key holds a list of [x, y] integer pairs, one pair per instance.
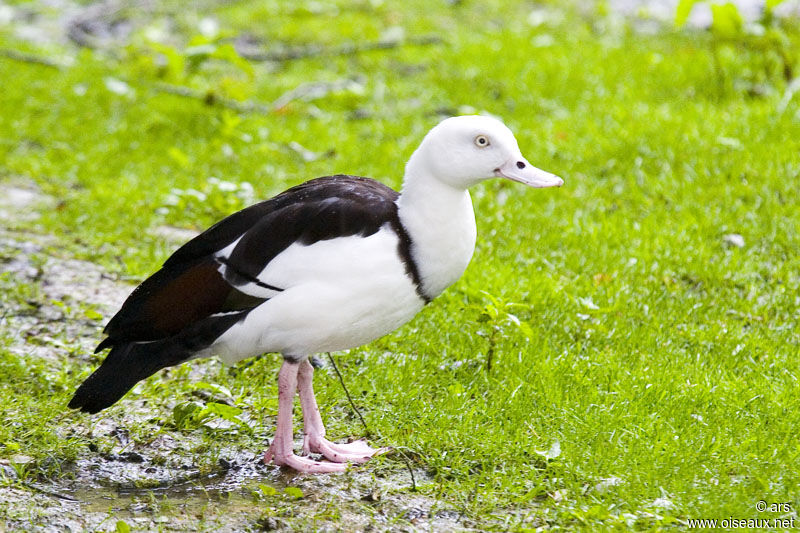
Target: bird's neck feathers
{"points": [[440, 222]]}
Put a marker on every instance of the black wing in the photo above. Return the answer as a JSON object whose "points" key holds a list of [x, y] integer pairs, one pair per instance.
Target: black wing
{"points": [[189, 286]]}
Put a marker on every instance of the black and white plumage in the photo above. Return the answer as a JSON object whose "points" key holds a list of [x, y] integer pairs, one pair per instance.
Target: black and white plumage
{"points": [[327, 265]]}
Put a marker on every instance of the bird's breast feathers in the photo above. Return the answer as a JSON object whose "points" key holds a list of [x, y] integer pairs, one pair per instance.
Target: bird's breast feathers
{"points": [[336, 294]]}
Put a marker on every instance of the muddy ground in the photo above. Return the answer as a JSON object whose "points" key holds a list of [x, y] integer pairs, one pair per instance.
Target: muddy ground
{"points": [[154, 484]]}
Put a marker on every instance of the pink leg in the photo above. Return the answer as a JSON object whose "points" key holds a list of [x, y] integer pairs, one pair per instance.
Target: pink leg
{"points": [[315, 441], [280, 452]]}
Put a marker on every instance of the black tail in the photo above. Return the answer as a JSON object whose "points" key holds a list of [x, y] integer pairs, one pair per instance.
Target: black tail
{"points": [[125, 366]]}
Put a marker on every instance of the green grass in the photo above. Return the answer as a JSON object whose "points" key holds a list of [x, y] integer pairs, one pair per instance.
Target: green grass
{"points": [[651, 350]]}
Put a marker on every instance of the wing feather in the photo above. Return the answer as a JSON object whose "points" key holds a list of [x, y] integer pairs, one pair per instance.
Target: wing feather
{"points": [[197, 281]]}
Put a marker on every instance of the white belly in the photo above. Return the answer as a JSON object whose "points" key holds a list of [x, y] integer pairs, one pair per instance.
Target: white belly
{"points": [[338, 294]]}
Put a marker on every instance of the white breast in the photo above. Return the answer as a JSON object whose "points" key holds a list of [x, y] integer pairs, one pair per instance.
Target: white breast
{"points": [[443, 239], [338, 294]]}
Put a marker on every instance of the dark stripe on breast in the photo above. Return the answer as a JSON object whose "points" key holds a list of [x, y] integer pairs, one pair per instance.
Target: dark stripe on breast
{"points": [[404, 249], [239, 278]]}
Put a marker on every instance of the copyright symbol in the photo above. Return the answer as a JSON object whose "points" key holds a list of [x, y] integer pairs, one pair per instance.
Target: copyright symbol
{"points": [[761, 506]]}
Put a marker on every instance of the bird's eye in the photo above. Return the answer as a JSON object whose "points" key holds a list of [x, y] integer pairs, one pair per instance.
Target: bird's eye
{"points": [[481, 141]]}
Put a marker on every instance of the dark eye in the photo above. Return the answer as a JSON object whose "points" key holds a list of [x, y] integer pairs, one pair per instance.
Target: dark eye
{"points": [[481, 141]]}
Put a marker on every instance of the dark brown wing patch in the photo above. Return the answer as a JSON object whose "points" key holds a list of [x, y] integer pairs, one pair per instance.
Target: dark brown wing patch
{"points": [[170, 300], [196, 293]]}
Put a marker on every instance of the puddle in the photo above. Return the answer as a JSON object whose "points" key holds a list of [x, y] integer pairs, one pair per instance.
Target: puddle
{"points": [[240, 497], [358, 500]]}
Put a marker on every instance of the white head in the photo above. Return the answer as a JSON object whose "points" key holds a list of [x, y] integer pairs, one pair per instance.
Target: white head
{"points": [[462, 151]]}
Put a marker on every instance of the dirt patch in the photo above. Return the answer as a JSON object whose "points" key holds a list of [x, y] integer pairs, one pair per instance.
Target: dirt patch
{"points": [[67, 298]]}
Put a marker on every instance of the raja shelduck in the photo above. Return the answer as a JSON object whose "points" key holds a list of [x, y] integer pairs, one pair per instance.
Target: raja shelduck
{"points": [[328, 265]]}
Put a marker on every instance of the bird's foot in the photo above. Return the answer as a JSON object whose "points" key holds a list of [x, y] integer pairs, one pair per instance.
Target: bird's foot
{"points": [[302, 464], [353, 452]]}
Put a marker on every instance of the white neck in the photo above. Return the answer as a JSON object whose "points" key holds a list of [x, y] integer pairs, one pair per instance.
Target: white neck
{"points": [[441, 223]]}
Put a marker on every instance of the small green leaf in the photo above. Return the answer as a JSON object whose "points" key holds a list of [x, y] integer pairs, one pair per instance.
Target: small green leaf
{"points": [[122, 527], [92, 314], [726, 20], [484, 317], [456, 389], [683, 11], [215, 387], [293, 492], [268, 490], [226, 412], [175, 61], [184, 414], [228, 53], [495, 301], [179, 156], [526, 329]]}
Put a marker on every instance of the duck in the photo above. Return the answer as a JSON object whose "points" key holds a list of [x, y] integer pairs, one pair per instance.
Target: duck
{"points": [[328, 265]]}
